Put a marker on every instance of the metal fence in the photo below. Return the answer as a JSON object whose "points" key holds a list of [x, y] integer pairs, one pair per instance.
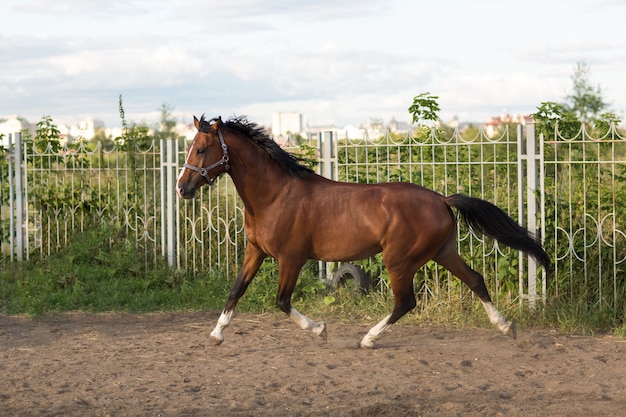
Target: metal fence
{"points": [[584, 216], [54, 194], [450, 162], [567, 190]]}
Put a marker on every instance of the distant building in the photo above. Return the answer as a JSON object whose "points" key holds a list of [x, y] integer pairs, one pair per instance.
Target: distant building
{"points": [[372, 130], [353, 132], [85, 129], [495, 124], [11, 125], [398, 127], [454, 122], [285, 123]]}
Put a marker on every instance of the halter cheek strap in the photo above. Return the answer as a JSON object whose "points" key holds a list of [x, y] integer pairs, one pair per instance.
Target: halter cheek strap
{"points": [[204, 172]]}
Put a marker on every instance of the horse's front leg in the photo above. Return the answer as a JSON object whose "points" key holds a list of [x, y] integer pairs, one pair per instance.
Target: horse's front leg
{"points": [[252, 261], [288, 277]]}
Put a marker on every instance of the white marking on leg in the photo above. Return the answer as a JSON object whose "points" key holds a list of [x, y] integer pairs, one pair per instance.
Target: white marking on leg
{"points": [[217, 335], [372, 335], [306, 323], [505, 326]]}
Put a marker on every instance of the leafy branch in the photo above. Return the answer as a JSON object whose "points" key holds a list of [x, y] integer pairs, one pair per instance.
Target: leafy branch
{"points": [[424, 107]]}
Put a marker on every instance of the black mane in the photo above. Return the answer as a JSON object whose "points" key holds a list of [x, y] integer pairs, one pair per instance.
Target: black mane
{"points": [[240, 124]]}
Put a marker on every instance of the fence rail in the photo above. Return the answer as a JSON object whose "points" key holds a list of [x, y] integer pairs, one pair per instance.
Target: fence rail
{"points": [[569, 191], [585, 216]]}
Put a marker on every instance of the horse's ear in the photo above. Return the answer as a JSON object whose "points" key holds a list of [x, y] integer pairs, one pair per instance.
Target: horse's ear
{"points": [[217, 123], [196, 122]]}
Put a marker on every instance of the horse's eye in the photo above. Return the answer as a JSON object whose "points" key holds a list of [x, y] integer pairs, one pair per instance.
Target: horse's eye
{"points": [[201, 151]]}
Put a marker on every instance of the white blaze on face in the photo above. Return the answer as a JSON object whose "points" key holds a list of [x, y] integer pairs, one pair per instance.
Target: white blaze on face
{"points": [[178, 189], [182, 172]]}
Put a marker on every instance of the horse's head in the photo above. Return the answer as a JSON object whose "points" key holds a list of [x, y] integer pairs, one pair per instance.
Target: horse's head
{"points": [[207, 158]]}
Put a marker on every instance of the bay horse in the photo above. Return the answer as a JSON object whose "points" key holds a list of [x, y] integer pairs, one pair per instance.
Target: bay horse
{"points": [[292, 215]]}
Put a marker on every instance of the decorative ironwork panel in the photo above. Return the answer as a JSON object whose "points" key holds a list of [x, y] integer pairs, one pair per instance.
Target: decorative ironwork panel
{"points": [[585, 221], [79, 186], [448, 162]]}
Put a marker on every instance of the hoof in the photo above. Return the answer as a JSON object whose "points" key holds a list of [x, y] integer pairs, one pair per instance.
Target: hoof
{"points": [[510, 330], [367, 343], [320, 330], [216, 340]]}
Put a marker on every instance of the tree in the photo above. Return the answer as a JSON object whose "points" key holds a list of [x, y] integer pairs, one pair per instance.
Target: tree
{"points": [[134, 137], [424, 107], [585, 101], [47, 135], [100, 136], [549, 114], [584, 105], [167, 125]]}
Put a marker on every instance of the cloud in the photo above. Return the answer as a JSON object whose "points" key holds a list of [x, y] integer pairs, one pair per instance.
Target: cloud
{"points": [[331, 60], [299, 9], [83, 7]]}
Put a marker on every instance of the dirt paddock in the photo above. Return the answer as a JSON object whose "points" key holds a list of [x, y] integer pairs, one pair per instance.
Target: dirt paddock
{"points": [[162, 365]]}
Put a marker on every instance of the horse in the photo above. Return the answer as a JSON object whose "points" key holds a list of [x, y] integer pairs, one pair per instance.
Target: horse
{"points": [[293, 214]]}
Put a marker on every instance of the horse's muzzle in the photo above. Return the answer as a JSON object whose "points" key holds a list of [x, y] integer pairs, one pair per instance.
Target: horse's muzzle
{"points": [[185, 192]]}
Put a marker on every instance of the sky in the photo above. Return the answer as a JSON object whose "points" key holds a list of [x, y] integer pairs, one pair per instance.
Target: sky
{"points": [[336, 62]]}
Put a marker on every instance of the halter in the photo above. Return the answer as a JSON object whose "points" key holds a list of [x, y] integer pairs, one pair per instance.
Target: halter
{"points": [[204, 172]]}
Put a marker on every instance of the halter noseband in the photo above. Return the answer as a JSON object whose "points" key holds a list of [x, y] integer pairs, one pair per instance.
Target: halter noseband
{"points": [[204, 172]]}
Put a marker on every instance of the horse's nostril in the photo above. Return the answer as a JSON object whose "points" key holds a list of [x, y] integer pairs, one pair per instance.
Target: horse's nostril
{"points": [[185, 193]]}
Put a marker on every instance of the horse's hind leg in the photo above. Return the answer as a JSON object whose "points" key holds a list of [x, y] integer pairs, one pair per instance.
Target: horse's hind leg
{"points": [[404, 301], [450, 259]]}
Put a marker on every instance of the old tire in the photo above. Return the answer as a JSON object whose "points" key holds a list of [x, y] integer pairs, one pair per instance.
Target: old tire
{"points": [[348, 273]]}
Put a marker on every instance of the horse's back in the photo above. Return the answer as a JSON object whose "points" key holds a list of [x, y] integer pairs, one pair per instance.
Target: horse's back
{"points": [[359, 220], [380, 199]]}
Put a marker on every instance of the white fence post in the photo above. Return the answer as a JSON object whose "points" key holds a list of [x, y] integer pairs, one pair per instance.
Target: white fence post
{"points": [[530, 169], [16, 198], [169, 215], [328, 155], [11, 202], [327, 168]]}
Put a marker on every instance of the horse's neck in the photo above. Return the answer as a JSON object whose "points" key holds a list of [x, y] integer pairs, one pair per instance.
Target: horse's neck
{"points": [[257, 178]]}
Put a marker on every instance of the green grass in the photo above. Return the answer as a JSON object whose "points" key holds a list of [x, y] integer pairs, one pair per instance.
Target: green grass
{"points": [[98, 273], [101, 273]]}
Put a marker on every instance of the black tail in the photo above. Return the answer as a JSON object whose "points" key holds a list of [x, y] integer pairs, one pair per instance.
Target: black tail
{"points": [[485, 218]]}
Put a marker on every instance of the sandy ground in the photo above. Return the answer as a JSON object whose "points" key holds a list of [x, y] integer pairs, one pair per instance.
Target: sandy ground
{"points": [[163, 365]]}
